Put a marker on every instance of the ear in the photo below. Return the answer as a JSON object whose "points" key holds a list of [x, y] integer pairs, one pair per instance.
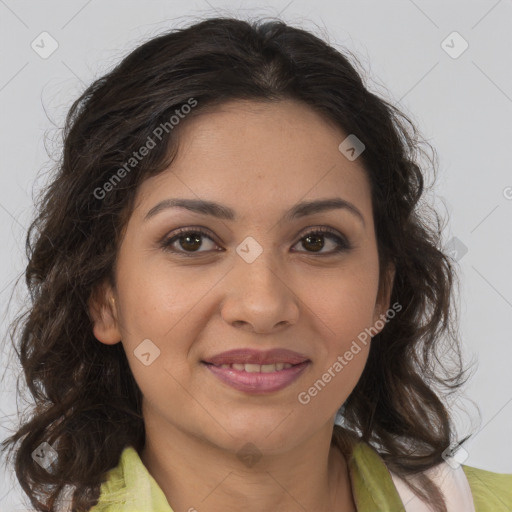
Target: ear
{"points": [[103, 311], [384, 296]]}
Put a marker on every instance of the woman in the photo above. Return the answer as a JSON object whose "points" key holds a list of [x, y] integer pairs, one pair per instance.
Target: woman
{"points": [[230, 252]]}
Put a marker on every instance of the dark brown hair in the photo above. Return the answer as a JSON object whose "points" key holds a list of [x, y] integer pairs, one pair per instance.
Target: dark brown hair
{"points": [[88, 405]]}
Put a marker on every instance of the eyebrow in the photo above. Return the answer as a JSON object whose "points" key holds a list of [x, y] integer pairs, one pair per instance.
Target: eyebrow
{"points": [[220, 211]]}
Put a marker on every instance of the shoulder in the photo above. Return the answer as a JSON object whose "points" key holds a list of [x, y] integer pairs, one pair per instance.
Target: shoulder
{"points": [[491, 491], [465, 488], [130, 487], [114, 489]]}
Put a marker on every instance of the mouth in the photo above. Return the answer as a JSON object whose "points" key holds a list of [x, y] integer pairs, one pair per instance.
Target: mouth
{"points": [[255, 378]]}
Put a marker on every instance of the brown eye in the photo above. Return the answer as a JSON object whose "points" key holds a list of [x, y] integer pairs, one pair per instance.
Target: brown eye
{"points": [[190, 242], [186, 241], [314, 242]]}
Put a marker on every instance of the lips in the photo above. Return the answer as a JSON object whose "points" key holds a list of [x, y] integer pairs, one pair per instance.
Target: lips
{"points": [[258, 383], [257, 357]]}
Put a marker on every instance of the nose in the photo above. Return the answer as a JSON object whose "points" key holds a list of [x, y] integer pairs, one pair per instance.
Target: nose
{"points": [[260, 296]]}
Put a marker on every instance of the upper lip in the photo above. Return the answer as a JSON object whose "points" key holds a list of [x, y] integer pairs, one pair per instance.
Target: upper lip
{"points": [[250, 356]]}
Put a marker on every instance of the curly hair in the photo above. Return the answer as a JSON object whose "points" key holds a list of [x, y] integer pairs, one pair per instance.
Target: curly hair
{"points": [[87, 402]]}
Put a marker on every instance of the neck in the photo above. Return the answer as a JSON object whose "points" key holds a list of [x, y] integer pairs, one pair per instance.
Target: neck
{"points": [[195, 474]]}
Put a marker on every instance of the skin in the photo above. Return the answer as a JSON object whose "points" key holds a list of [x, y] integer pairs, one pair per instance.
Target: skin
{"points": [[260, 159]]}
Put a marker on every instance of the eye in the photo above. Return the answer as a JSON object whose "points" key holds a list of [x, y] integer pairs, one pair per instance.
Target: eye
{"points": [[187, 241], [315, 240], [188, 238]]}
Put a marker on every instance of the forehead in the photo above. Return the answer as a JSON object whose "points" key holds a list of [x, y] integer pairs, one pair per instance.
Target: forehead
{"points": [[260, 156]]}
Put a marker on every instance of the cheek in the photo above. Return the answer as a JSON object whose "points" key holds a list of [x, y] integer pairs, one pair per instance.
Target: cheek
{"points": [[158, 299], [343, 303], [342, 308], [343, 315], [157, 321]]}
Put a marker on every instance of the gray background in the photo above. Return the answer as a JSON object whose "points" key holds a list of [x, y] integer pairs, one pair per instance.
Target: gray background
{"points": [[462, 105]]}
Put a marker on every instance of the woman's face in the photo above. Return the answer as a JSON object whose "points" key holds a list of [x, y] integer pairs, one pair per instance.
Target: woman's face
{"points": [[254, 281]]}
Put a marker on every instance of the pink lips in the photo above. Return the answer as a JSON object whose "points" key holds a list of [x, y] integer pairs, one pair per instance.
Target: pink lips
{"points": [[257, 382]]}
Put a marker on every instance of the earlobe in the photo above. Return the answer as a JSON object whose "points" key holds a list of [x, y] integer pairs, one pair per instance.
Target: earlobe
{"points": [[103, 312]]}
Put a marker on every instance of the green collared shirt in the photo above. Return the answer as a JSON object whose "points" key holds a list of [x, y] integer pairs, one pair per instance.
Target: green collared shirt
{"points": [[129, 486]]}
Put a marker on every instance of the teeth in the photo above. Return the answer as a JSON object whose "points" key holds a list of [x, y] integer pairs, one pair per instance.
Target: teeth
{"points": [[256, 368]]}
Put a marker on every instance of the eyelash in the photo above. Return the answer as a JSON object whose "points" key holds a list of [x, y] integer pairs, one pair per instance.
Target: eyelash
{"points": [[342, 244]]}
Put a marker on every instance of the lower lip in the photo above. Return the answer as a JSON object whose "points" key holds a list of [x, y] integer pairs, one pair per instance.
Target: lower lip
{"points": [[258, 382]]}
